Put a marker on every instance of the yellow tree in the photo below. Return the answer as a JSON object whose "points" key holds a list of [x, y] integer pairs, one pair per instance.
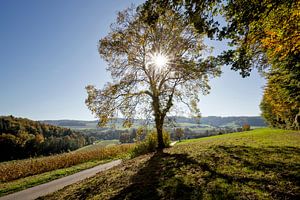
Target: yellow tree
{"points": [[154, 68], [263, 33]]}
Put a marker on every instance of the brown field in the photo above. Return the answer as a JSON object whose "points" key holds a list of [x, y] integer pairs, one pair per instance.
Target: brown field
{"points": [[13, 170]]}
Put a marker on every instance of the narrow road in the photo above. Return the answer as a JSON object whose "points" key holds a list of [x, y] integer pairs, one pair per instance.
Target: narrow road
{"points": [[173, 143], [50, 187]]}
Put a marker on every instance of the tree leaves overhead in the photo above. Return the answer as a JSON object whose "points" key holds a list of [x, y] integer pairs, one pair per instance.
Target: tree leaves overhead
{"points": [[251, 27], [262, 34]]}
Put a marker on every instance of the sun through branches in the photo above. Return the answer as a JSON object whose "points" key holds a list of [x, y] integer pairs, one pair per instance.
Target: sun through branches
{"points": [[158, 59], [154, 68]]}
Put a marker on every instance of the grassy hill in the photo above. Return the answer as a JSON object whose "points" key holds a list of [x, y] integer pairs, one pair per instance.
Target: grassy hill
{"points": [[259, 164]]}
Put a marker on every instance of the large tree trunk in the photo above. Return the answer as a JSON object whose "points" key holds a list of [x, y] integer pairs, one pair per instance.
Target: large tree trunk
{"points": [[159, 129], [159, 122]]}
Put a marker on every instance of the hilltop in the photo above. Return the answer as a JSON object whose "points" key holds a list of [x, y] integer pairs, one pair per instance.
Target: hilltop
{"points": [[258, 164]]}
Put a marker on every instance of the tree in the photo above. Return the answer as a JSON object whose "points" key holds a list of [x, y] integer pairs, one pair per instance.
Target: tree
{"points": [[246, 127], [258, 30], [262, 33], [152, 67], [272, 37], [141, 133], [280, 105], [179, 133], [125, 138]]}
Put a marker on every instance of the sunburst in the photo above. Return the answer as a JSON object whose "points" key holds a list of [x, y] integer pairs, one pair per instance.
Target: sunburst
{"points": [[158, 60]]}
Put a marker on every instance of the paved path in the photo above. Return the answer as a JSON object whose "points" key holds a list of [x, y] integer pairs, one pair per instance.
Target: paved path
{"points": [[47, 188], [173, 143]]}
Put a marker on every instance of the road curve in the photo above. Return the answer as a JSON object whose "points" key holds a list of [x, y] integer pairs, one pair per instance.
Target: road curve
{"points": [[50, 187]]}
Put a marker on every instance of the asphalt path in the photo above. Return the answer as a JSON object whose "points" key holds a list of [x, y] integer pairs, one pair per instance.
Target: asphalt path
{"points": [[53, 186]]}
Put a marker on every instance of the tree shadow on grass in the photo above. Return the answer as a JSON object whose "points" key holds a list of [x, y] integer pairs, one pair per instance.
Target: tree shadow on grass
{"points": [[160, 169], [280, 163], [180, 176]]}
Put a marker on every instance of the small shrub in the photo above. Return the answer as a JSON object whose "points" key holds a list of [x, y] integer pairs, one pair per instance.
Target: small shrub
{"points": [[150, 143], [246, 127], [179, 133], [239, 130]]}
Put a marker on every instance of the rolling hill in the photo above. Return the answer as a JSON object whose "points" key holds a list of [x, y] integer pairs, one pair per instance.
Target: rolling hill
{"points": [[213, 121], [258, 164]]}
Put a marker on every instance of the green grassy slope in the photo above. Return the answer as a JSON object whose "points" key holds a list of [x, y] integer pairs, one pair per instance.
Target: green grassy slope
{"points": [[99, 144], [259, 164]]}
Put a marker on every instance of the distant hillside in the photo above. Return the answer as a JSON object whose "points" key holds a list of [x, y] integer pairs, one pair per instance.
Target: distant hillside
{"points": [[67, 122], [227, 121], [192, 129], [211, 120], [22, 138]]}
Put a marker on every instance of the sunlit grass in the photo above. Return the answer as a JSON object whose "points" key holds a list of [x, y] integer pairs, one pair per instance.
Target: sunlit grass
{"points": [[99, 144], [258, 164]]}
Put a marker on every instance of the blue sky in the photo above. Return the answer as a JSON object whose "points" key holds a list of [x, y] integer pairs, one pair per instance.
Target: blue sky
{"points": [[48, 54]]}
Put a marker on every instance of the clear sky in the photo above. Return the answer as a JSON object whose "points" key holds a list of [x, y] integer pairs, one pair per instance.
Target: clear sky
{"points": [[48, 54]]}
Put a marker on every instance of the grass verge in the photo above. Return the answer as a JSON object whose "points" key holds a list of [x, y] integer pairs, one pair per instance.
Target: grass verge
{"points": [[259, 164]]}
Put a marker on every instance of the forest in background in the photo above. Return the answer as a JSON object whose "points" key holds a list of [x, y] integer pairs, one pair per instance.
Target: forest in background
{"points": [[22, 138]]}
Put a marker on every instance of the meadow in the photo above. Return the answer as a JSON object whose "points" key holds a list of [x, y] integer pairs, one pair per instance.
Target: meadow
{"points": [[98, 144], [258, 164]]}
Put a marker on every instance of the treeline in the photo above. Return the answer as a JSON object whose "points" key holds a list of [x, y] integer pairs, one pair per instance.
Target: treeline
{"points": [[65, 122], [139, 134], [22, 138], [102, 134], [224, 121]]}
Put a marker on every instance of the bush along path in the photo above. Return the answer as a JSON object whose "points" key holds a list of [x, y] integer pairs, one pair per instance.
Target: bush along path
{"points": [[47, 188]]}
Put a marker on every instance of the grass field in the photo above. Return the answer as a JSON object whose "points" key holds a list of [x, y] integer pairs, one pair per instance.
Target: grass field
{"points": [[99, 144], [258, 164]]}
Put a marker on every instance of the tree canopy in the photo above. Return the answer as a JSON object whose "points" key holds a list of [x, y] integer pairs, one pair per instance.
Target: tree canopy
{"points": [[154, 67], [259, 30], [263, 34]]}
